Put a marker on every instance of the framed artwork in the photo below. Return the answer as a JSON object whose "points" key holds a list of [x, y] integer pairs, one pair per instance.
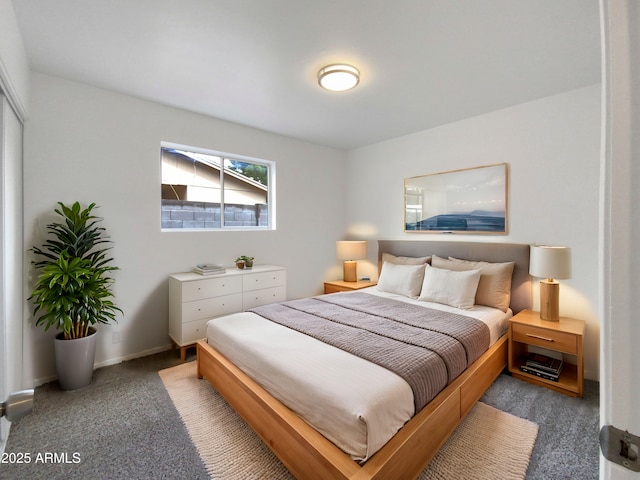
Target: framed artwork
{"points": [[473, 200]]}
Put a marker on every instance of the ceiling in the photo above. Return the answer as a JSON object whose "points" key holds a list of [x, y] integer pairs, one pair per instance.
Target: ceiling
{"points": [[423, 63]]}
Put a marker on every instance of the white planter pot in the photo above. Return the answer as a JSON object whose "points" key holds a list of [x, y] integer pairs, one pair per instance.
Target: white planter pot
{"points": [[74, 360]]}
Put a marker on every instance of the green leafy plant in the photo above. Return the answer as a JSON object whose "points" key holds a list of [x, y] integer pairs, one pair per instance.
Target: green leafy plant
{"points": [[244, 261], [73, 288]]}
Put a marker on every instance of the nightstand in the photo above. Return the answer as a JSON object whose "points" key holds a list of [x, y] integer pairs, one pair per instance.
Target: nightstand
{"points": [[341, 286], [565, 336]]}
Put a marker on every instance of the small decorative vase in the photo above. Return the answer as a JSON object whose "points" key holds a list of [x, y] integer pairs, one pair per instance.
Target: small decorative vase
{"points": [[240, 265], [248, 263]]}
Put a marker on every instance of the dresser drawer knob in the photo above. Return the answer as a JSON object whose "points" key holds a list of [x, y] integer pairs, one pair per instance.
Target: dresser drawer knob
{"points": [[540, 338]]}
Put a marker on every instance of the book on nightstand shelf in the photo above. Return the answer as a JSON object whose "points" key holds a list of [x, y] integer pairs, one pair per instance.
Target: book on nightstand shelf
{"points": [[209, 269], [543, 366], [543, 362], [539, 373]]}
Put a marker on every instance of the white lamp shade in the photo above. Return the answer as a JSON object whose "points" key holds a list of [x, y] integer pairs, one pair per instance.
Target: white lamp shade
{"points": [[351, 250], [550, 262]]}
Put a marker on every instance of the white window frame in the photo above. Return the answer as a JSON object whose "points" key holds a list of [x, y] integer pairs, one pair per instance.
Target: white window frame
{"points": [[271, 188]]}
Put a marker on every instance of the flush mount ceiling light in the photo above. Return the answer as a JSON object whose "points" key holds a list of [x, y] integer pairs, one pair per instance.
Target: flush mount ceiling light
{"points": [[338, 77]]}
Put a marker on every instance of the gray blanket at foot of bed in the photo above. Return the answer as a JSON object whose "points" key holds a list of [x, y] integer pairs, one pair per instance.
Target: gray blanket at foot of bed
{"points": [[428, 348]]}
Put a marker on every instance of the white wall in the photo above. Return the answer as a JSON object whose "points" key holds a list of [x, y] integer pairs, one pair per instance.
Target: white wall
{"points": [[552, 147], [87, 144]]}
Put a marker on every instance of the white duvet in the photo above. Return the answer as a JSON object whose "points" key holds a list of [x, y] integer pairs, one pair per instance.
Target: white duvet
{"points": [[356, 404]]}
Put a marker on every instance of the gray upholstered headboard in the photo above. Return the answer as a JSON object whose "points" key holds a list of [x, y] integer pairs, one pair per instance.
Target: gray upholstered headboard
{"points": [[487, 251]]}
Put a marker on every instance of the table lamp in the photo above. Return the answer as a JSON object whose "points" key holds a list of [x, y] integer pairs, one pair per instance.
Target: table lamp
{"points": [[550, 263], [350, 251]]}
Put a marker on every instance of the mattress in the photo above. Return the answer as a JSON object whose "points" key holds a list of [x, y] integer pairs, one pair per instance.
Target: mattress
{"points": [[354, 403]]}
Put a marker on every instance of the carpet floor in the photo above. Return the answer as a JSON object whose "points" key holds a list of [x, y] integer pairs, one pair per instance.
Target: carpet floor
{"points": [[125, 426], [121, 427], [487, 445]]}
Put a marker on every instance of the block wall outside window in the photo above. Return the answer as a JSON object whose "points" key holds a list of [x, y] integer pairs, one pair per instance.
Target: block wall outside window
{"points": [[185, 214]]}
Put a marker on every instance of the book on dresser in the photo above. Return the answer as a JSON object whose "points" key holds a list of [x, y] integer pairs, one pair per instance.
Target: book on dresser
{"points": [[209, 269]]}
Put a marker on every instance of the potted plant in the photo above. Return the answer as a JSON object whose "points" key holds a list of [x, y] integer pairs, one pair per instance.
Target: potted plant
{"points": [[244, 261], [73, 290]]}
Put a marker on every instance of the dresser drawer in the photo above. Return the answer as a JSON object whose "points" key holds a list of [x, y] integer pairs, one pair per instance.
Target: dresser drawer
{"points": [[264, 297], [257, 281], [542, 337], [194, 331], [211, 307], [211, 287]]}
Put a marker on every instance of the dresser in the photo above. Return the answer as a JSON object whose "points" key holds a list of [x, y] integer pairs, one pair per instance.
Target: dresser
{"points": [[194, 299]]}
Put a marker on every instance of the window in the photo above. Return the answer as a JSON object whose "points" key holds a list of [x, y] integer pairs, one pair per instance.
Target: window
{"points": [[212, 190], [413, 204]]}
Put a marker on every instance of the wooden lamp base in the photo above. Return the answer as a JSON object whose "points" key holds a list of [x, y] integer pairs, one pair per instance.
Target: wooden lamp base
{"points": [[550, 300], [350, 271]]}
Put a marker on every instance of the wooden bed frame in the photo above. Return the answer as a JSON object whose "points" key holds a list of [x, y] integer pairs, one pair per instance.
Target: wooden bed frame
{"points": [[309, 455]]}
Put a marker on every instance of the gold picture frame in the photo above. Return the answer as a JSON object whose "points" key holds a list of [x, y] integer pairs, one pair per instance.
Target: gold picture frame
{"points": [[471, 201]]}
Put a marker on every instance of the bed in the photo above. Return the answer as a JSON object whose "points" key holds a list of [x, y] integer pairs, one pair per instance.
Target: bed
{"points": [[305, 451]]}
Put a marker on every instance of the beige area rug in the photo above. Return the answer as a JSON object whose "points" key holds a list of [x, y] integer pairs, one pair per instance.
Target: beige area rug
{"points": [[488, 444]]}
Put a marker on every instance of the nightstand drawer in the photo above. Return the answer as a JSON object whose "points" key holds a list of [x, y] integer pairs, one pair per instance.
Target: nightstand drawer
{"points": [[330, 288], [542, 337]]}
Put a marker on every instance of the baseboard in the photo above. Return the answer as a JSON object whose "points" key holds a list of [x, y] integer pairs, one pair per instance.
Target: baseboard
{"points": [[112, 361], [133, 356]]}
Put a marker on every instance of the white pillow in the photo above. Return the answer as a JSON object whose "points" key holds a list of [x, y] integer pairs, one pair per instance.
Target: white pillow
{"points": [[457, 289], [401, 279]]}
